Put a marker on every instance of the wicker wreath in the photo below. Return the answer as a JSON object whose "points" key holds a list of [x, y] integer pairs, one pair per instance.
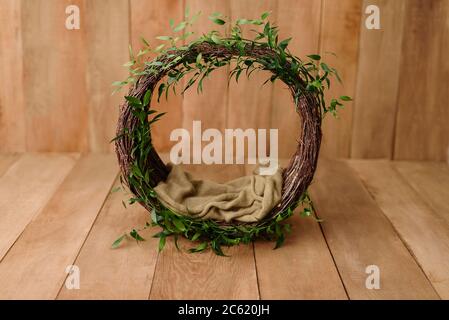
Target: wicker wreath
{"points": [[296, 177], [299, 173]]}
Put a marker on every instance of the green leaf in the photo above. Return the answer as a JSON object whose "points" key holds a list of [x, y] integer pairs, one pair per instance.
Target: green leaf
{"points": [[133, 100], [144, 41], [317, 84], [119, 83], [131, 54], [176, 242], [306, 212], [201, 247], [198, 58], [215, 19], [180, 26], [219, 21], [333, 103], [336, 74], [159, 48], [164, 233], [267, 29], [216, 247], [195, 17], [215, 39], [325, 67], [129, 63], [265, 15], [279, 241], [142, 53], [134, 234], [315, 57], [284, 43], [117, 242], [146, 98], [153, 216], [179, 225], [136, 171], [164, 38], [238, 75], [116, 189], [230, 241], [196, 236], [242, 21], [162, 241], [345, 98], [160, 91], [156, 118]]}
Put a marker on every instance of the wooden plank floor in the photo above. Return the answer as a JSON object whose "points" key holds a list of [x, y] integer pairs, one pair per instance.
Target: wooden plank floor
{"points": [[57, 210]]}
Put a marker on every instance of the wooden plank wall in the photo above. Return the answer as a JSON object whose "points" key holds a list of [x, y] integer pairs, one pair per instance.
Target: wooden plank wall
{"points": [[55, 92]]}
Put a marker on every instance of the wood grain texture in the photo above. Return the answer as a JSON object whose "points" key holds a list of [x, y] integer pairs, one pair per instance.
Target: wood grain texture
{"points": [[425, 233], [422, 132], [150, 19], [210, 106], [54, 64], [299, 19], [301, 269], [249, 101], [359, 235], [340, 28], [182, 275], [52, 241], [107, 40], [431, 181], [25, 189], [378, 82], [123, 273], [12, 109]]}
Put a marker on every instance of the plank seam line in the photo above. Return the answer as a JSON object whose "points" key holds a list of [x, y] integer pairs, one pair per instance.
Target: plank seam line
{"points": [[407, 247], [320, 29], [272, 88], [398, 90], [354, 105], [226, 120], [180, 106], [332, 256], [40, 209], [16, 157], [257, 273], [154, 274], [317, 216], [424, 199], [88, 233], [130, 25]]}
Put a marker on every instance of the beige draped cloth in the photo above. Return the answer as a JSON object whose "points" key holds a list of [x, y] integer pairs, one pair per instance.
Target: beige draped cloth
{"points": [[246, 199]]}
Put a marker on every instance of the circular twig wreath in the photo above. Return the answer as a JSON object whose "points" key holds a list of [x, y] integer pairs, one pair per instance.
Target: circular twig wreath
{"points": [[142, 168]]}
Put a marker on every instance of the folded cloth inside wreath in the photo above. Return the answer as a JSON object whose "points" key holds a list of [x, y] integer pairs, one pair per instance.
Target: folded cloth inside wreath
{"points": [[246, 199]]}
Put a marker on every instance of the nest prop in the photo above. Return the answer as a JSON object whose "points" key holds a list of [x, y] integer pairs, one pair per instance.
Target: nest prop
{"points": [[142, 168]]}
